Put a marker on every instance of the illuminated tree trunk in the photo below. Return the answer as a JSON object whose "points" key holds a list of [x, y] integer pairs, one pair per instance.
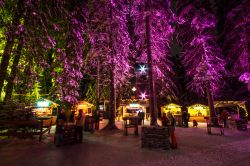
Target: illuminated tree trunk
{"points": [[9, 44], [13, 73], [5, 62], [112, 99], [132, 46], [150, 72], [98, 84], [210, 100]]}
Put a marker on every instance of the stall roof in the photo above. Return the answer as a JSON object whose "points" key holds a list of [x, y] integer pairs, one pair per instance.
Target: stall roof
{"points": [[172, 105], [84, 103], [45, 103], [198, 105], [241, 104], [125, 102]]}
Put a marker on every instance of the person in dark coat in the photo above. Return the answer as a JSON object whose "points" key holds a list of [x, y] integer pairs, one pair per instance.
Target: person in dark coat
{"points": [[184, 119], [79, 121], [96, 119], [60, 120], [164, 120]]}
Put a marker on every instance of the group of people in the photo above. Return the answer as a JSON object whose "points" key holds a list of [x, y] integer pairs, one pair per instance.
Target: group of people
{"points": [[78, 122]]}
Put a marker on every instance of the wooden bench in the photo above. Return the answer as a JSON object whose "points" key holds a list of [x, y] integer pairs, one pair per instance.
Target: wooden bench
{"points": [[131, 122], [23, 129], [214, 123]]}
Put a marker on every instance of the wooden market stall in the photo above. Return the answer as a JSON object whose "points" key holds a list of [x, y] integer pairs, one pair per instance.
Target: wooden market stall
{"points": [[175, 109], [131, 107], [85, 106], [236, 109], [198, 112], [44, 108], [237, 113]]}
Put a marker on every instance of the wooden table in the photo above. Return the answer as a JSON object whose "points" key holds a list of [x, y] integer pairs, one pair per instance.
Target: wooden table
{"points": [[131, 122]]}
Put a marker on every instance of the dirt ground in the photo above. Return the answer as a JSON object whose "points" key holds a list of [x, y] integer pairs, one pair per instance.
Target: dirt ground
{"points": [[195, 147]]}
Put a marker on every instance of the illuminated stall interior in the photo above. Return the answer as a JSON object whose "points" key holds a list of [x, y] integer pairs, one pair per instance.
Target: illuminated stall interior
{"points": [[132, 107], [198, 112], [236, 109], [172, 108], [85, 106], [44, 107]]}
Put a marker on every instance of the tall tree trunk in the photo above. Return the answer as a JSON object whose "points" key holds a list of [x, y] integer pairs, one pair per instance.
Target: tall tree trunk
{"points": [[150, 71], [210, 100], [132, 46], [5, 62], [9, 44], [112, 99], [14, 69], [98, 84]]}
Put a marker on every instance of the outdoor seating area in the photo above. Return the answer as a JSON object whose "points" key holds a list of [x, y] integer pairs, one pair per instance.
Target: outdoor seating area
{"points": [[24, 129]]}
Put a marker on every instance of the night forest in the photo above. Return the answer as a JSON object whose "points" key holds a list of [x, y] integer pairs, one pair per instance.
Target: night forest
{"points": [[93, 49]]}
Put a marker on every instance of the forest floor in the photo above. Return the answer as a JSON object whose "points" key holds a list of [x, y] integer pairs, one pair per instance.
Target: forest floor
{"points": [[195, 147]]}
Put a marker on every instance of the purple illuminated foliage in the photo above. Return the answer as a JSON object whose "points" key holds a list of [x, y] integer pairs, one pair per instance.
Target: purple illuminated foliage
{"points": [[1, 3], [201, 58], [71, 57], [57, 28], [161, 37], [236, 44], [107, 32]]}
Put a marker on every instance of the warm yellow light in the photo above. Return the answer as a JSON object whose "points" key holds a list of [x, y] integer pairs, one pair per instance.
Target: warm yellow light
{"points": [[199, 108], [82, 105], [171, 106]]}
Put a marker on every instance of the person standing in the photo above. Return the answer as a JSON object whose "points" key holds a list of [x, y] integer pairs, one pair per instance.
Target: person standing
{"points": [[164, 120], [184, 118], [72, 117], [60, 120], [224, 116], [172, 130], [79, 126], [96, 119], [187, 119]]}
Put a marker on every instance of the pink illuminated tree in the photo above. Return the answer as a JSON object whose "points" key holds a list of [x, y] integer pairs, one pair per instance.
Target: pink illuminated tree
{"points": [[201, 58], [153, 20], [107, 32], [236, 44]]}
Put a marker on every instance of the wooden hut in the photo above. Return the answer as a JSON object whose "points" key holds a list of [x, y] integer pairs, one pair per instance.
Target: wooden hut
{"points": [[236, 109], [85, 106], [198, 112], [175, 109]]}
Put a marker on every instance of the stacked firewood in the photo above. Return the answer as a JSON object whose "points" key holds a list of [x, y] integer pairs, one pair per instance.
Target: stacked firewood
{"points": [[155, 137]]}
